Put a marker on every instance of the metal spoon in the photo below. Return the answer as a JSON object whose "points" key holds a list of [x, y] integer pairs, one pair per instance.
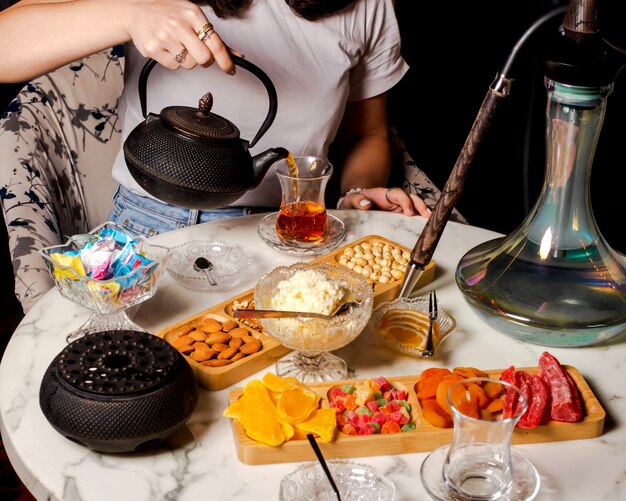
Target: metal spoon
{"points": [[203, 265], [348, 302]]}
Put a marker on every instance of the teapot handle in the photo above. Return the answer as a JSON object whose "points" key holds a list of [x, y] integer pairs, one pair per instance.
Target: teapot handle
{"points": [[247, 65]]}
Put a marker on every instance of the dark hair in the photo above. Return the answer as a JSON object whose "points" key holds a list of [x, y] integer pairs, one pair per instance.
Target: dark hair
{"points": [[316, 9], [308, 9]]}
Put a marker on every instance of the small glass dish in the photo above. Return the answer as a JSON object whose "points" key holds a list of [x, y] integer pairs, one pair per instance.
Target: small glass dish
{"points": [[229, 262], [354, 481], [409, 334], [107, 298]]}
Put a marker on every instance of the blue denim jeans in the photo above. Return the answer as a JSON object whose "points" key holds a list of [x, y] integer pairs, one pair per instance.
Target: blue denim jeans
{"points": [[147, 216]]}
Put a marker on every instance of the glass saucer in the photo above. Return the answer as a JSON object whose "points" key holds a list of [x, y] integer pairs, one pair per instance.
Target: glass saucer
{"points": [[336, 233], [525, 477]]}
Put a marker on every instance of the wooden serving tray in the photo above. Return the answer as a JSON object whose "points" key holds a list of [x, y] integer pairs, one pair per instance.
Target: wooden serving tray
{"points": [[218, 378], [424, 438]]}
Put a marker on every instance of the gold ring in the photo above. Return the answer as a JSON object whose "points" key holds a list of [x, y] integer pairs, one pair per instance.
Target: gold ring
{"points": [[180, 55], [202, 34]]}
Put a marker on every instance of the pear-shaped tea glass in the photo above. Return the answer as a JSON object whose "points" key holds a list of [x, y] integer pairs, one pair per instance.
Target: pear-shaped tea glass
{"points": [[479, 464], [302, 220]]}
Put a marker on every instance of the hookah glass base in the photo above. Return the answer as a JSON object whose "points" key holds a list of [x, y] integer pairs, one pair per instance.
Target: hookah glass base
{"points": [[555, 281], [576, 298]]}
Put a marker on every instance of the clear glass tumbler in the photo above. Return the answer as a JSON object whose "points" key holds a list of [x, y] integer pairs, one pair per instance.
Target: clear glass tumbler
{"points": [[479, 465]]}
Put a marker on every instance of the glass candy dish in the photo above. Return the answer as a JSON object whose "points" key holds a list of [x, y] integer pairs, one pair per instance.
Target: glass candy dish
{"points": [[411, 341], [108, 299], [313, 338], [228, 262], [354, 481]]}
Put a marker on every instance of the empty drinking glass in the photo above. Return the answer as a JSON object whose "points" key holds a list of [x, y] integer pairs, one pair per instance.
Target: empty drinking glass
{"points": [[479, 464]]}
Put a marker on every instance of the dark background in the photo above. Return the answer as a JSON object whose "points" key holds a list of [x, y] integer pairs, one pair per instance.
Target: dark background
{"points": [[455, 49]]}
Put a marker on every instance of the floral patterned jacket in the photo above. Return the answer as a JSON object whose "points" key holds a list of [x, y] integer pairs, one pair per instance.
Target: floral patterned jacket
{"points": [[58, 138]]}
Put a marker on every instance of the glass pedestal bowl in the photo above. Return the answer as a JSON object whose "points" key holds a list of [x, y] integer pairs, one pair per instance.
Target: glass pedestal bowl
{"points": [[313, 338], [108, 299]]}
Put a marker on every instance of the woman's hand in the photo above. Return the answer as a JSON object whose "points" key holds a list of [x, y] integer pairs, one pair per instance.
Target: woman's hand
{"points": [[176, 33], [388, 199]]}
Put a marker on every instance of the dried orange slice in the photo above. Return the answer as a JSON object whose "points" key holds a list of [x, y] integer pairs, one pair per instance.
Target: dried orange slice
{"points": [[408, 327], [322, 423], [257, 414], [297, 405], [280, 384]]}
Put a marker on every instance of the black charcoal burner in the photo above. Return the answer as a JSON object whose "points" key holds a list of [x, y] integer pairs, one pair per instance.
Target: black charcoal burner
{"points": [[118, 391]]}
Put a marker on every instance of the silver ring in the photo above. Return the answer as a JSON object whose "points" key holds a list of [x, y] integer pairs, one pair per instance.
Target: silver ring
{"points": [[387, 196], [180, 56]]}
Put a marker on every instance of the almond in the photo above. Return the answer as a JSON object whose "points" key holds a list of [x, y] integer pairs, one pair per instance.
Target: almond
{"points": [[217, 337], [183, 330], [182, 341], [237, 356], [238, 332], [220, 347], [229, 325], [251, 347], [209, 325], [202, 355], [227, 353], [235, 342], [197, 335]]}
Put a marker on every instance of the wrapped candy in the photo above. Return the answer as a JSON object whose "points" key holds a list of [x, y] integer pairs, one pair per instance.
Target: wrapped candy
{"points": [[68, 260], [109, 258]]}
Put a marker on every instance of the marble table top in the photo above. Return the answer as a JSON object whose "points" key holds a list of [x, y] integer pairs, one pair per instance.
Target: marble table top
{"points": [[201, 461]]}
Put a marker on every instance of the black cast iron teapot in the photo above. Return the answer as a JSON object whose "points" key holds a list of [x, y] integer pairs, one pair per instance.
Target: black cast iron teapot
{"points": [[193, 158]]}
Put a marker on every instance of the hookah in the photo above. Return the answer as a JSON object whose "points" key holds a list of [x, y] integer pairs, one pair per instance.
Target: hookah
{"points": [[554, 281]]}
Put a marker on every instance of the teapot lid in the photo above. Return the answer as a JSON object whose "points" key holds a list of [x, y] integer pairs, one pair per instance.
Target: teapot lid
{"points": [[199, 123]]}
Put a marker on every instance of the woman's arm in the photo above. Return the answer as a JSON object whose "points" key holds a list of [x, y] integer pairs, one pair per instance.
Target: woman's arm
{"points": [[366, 160], [37, 36]]}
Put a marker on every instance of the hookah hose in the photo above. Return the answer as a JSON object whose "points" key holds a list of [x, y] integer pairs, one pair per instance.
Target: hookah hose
{"points": [[499, 89]]}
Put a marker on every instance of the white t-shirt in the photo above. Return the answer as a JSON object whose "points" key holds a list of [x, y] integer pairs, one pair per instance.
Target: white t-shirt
{"points": [[316, 68]]}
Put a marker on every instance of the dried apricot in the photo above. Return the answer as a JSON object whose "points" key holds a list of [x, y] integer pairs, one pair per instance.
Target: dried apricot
{"points": [[429, 380], [492, 389], [434, 414], [469, 372], [442, 390]]}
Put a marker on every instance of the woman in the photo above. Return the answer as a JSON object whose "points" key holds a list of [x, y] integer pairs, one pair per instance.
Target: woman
{"points": [[332, 63]]}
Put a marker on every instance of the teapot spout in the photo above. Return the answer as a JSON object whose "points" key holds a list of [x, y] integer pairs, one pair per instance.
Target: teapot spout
{"points": [[262, 162]]}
